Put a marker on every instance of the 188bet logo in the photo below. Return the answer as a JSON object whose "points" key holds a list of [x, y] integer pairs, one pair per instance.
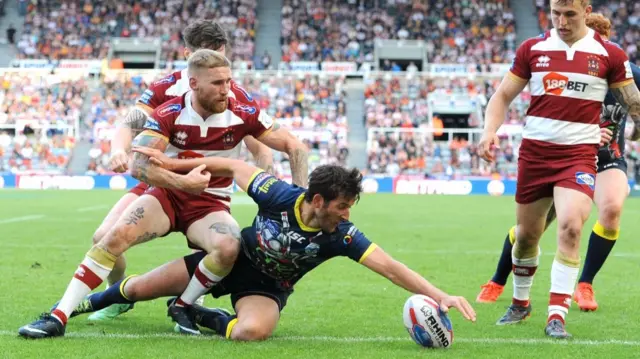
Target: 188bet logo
{"points": [[555, 84]]}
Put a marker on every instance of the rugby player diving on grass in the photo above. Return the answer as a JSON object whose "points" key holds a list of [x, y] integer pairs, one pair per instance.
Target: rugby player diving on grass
{"points": [[294, 231]]}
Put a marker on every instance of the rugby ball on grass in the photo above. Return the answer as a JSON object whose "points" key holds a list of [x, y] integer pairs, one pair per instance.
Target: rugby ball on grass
{"points": [[426, 323]]}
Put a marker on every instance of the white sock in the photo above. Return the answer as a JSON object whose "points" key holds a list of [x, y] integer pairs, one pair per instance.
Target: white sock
{"points": [[563, 282], [200, 283], [523, 273], [87, 277]]}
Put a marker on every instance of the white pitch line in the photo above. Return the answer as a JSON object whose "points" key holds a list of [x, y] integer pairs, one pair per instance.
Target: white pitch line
{"points": [[92, 208], [22, 219], [93, 335], [488, 253]]}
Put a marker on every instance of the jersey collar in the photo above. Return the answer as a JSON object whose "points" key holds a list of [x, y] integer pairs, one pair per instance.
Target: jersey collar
{"points": [[296, 211]]}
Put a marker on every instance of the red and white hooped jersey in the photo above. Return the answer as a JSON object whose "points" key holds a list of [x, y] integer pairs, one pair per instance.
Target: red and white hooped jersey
{"points": [[219, 135], [568, 85], [177, 84]]}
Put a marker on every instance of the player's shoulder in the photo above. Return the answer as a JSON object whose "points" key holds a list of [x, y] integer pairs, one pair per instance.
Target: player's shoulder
{"points": [[170, 109], [267, 184], [347, 228], [240, 94], [612, 48], [532, 41], [166, 81], [242, 110]]}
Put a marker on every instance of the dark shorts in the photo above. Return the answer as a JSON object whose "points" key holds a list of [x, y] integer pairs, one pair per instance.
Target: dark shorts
{"points": [[139, 189], [243, 281], [608, 163], [183, 208]]}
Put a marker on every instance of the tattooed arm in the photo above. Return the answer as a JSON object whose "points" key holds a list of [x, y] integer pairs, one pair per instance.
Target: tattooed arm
{"points": [[126, 129], [629, 97], [130, 127], [240, 171], [284, 141], [262, 154], [194, 182]]}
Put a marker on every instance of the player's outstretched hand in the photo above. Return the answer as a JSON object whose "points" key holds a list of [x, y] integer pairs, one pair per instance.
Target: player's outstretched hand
{"points": [[119, 161], [486, 145], [606, 135], [460, 304], [197, 180], [156, 157]]}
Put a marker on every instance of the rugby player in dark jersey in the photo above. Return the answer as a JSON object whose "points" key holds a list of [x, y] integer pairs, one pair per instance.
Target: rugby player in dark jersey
{"points": [[295, 230]]}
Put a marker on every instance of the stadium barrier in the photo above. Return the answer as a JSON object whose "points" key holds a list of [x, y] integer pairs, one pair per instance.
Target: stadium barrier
{"points": [[372, 184], [95, 67]]}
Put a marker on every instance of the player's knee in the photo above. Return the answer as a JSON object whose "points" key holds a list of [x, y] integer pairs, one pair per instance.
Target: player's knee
{"points": [[98, 235], [250, 331], [610, 215], [227, 250], [134, 289], [528, 236], [569, 233], [118, 240]]}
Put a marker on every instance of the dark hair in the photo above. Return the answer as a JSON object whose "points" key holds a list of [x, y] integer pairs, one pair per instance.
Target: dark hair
{"points": [[331, 182], [204, 34]]}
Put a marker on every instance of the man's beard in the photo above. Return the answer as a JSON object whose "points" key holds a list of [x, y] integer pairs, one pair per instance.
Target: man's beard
{"points": [[212, 106]]}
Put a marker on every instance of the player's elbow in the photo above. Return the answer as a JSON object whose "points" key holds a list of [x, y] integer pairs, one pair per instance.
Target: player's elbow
{"points": [[294, 146], [261, 151], [139, 167]]}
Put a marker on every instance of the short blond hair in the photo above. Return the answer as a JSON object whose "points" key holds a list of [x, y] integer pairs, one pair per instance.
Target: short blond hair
{"points": [[599, 23], [206, 59], [583, 3]]}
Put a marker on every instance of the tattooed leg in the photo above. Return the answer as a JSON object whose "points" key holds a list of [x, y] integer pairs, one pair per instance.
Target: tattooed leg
{"points": [[142, 221]]}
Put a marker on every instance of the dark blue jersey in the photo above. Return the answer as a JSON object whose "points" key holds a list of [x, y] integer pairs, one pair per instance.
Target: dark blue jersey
{"points": [[614, 117], [284, 248]]}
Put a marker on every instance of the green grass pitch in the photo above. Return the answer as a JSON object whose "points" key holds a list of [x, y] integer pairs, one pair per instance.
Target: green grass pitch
{"points": [[341, 310]]}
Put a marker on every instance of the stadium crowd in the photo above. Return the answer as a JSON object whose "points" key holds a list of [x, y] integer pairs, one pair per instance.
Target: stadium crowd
{"points": [[113, 98], [454, 31], [625, 20], [400, 101], [82, 30], [314, 107], [416, 153], [38, 115]]}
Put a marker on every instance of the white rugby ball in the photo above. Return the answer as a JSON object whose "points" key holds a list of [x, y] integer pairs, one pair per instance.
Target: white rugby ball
{"points": [[426, 323]]}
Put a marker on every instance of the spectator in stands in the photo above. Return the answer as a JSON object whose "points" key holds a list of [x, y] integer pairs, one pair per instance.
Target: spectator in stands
{"points": [[266, 60], [11, 34]]}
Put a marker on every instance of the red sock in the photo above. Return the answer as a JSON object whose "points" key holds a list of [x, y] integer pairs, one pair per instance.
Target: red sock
{"points": [[558, 306], [522, 303], [58, 314]]}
